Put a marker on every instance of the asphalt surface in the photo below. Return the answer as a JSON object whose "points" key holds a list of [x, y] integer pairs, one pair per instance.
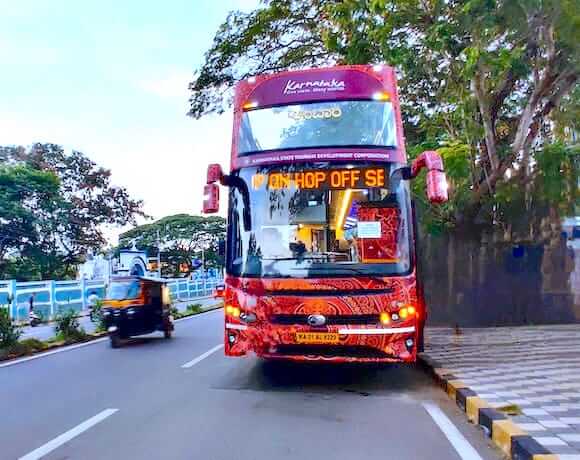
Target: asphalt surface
{"points": [[175, 399], [46, 331]]}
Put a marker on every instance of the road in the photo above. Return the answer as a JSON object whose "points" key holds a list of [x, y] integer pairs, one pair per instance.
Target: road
{"points": [[46, 331], [182, 399]]}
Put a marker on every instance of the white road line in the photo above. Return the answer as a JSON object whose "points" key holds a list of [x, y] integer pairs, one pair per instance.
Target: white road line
{"points": [[459, 443], [193, 362], [66, 437], [52, 352]]}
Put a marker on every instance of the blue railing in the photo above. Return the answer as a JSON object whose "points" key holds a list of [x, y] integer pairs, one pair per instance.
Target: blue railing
{"points": [[54, 297]]}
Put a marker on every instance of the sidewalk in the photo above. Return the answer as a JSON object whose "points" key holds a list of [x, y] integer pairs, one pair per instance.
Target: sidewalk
{"points": [[535, 368]]}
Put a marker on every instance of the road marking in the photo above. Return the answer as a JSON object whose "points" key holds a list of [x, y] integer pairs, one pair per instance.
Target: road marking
{"points": [[52, 352], [193, 362], [70, 434], [459, 443]]}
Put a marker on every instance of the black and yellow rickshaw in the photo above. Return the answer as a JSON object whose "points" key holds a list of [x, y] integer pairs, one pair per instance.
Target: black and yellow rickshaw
{"points": [[135, 306]]}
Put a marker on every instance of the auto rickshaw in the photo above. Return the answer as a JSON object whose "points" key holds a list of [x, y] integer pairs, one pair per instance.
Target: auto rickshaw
{"points": [[136, 306], [219, 290]]}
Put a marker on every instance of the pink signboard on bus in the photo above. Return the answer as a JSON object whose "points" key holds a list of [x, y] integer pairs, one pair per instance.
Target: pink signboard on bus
{"points": [[341, 83]]}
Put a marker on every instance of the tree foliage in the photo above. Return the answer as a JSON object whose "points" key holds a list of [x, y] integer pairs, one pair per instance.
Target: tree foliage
{"points": [[489, 82], [181, 239], [52, 208]]}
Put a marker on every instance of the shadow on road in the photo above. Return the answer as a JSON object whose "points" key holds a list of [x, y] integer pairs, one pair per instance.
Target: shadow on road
{"points": [[144, 342], [361, 379]]}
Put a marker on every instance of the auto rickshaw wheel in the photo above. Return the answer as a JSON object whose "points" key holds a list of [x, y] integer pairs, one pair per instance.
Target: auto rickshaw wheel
{"points": [[115, 341]]}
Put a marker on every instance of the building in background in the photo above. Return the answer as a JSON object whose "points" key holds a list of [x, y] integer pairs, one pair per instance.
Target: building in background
{"points": [[130, 262]]}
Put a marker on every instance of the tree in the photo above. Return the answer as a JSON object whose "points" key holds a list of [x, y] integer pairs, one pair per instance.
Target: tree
{"points": [[28, 197], [488, 75], [52, 208], [181, 239]]}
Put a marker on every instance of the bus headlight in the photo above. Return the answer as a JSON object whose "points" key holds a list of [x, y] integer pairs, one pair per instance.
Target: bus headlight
{"points": [[248, 317]]}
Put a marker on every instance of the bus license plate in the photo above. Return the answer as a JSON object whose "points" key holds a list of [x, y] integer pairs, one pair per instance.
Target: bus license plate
{"points": [[316, 337]]}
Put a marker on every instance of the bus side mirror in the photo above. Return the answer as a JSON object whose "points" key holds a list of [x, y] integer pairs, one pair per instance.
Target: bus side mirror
{"points": [[221, 248], [214, 173], [211, 199], [437, 187]]}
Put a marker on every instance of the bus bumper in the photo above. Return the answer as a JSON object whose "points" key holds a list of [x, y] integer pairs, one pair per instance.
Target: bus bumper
{"points": [[347, 344]]}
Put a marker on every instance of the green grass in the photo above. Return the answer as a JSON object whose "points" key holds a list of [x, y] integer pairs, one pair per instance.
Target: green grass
{"points": [[192, 309]]}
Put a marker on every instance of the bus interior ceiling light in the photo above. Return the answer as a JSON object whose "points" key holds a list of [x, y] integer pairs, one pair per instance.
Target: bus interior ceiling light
{"points": [[344, 207]]}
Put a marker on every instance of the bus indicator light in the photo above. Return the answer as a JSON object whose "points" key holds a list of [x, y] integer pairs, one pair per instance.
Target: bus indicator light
{"points": [[385, 318], [381, 96], [250, 105]]}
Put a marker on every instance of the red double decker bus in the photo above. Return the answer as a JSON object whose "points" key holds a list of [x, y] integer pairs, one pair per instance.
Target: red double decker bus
{"points": [[320, 250]]}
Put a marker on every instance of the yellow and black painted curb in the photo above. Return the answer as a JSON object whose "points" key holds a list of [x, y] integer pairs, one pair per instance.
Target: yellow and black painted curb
{"points": [[507, 435]]}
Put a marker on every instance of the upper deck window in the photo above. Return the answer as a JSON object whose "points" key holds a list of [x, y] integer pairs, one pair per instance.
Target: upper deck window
{"points": [[318, 124]]}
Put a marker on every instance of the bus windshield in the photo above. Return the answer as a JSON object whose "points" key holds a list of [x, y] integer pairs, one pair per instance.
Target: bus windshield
{"points": [[123, 290], [319, 124], [317, 221]]}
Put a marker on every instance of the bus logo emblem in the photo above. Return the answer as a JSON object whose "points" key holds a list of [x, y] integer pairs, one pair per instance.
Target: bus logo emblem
{"points": [[314, 86], [316, 320]]}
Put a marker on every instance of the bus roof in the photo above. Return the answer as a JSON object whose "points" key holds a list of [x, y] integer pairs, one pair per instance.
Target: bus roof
{"points": [[352, 82], [318, 84]]}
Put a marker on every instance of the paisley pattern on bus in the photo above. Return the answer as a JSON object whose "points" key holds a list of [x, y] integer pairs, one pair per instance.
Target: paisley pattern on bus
{"points": [[263, 337]]}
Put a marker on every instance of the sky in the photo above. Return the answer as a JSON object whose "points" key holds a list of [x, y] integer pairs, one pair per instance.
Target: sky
{"points": [[109, 78]]}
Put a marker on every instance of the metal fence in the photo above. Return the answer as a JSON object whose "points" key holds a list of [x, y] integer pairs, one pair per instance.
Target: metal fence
{"points": [[54, 297]]}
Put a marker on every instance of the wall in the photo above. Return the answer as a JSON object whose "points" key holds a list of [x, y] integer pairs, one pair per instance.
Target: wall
{"points": [[485, 281]]}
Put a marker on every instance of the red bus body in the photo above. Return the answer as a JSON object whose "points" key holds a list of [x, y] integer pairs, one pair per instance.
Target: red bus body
{"points": [[343, 316]]}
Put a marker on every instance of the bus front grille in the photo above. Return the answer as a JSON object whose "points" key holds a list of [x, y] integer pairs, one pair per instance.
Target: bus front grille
{"points": [[340, 320]]}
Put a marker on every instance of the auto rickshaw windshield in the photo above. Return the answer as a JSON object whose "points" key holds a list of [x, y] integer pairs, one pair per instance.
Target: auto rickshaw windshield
{"points": [[123, 290]]}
